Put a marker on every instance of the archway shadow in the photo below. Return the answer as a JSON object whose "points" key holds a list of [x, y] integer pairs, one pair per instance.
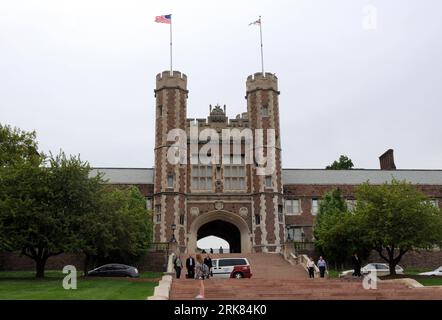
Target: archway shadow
{"points": [[224, 230]]}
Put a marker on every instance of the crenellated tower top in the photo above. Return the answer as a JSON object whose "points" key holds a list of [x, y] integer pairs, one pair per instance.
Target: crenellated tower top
{"points": [[177, 80], [260, 81]]}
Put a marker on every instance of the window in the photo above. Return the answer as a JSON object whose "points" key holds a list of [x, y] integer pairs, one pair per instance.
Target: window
{"points": [[268, 182], [292, 206], [295, 234], [158, 213], [231, 262], [170, 181], [148, 203], [280, 213], [201, 177], [235, 176], [182, 219], [315, 206], [160, 111], [265, 110], [257, 219]]}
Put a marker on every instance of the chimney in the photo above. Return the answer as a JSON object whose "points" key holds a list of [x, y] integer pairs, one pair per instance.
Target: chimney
{"points": [[387, 160]]}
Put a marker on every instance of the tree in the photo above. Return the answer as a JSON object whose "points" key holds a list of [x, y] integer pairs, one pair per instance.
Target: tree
{"points": [[18, 146], [395, 218], [344, 163], [333, 229], [42, 208], [120, 230]]}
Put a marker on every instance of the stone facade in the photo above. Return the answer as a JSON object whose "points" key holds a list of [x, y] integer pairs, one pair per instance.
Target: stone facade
{"points": [[256, 214]]}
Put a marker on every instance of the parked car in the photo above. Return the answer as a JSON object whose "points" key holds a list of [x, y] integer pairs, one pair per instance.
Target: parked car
{"points": [[437, 272], [231, 268], [114, 270], [382, 269]]}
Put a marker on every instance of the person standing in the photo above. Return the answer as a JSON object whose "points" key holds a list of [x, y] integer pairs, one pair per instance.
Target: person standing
{"points": [[220, 249], [178, 265], [208, 263], [211, 251], [322, 265], [357, 263], [190, 266], [201, 273], [311, 268]]}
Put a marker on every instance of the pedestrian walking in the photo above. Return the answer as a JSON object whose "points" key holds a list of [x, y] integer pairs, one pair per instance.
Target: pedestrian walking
{"points": [[178, 265], [201, 274], [322, 265], [357, 263], [208, 262], [311, 268], [190, 266]]}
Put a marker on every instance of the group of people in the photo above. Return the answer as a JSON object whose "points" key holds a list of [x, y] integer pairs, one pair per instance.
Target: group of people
{"points": [[322, 266], [198, 268]]}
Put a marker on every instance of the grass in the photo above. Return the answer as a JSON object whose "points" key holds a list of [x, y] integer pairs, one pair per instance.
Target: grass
{"points": [[333, 273], [22, 285]]}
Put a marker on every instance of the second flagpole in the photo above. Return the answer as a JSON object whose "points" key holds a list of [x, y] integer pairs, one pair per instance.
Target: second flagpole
{"points": [[171, 70], [262, 51]]}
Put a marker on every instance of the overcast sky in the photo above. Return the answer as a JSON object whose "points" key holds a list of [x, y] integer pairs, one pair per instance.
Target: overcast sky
{"points": [[82, 74]]}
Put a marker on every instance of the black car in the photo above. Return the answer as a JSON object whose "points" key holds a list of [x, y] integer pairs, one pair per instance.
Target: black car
{"points": [[114, 270]]}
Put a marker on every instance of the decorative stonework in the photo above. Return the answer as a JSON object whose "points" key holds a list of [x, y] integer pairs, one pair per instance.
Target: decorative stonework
{"points": [[219, 205], [243, 212], [194, 211]]}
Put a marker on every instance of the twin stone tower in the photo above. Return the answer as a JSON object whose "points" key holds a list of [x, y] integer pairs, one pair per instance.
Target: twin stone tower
{"points": [[193, 200]]}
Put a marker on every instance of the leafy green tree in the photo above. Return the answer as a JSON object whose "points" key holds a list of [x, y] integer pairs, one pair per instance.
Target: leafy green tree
{"points": [[344, 163], [121, 229], [42, 207], [18, 146], [331, 229], [395, 218]]}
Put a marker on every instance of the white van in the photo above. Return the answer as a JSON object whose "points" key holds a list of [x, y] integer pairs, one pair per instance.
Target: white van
{"points": [[231, 268]]}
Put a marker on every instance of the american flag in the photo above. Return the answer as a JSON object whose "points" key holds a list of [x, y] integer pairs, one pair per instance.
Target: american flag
{"points": [[164, 19]]}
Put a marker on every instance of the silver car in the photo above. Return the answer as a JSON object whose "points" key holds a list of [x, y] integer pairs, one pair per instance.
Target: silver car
{"points": [[437, 272], [381, 269]]}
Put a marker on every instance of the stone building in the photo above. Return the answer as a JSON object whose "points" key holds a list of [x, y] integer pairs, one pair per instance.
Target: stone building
{"points": [[253, 212]]}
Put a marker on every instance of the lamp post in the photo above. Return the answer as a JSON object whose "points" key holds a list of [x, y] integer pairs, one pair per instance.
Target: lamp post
{"points": [[173, 227]]}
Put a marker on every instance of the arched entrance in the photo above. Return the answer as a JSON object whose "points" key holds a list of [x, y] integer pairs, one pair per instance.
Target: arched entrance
{"points": [[224, 230], [223, 224]]}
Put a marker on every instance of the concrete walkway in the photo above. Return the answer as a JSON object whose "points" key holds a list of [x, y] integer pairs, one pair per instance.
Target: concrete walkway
{"points": [[275, 278]]}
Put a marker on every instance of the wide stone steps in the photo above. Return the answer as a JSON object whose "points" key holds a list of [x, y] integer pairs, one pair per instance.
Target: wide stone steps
{"points": [[274, 278]]}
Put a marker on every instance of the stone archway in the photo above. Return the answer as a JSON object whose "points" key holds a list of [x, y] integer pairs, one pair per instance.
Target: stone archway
{"points": [[223, 224], [224, 230]]}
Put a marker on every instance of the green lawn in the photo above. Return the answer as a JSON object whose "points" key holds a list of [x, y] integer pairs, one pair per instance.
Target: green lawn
{"points": [[22, 285]]}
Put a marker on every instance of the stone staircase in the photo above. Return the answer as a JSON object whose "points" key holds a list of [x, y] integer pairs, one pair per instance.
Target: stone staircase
{"points": [[276, 279]]}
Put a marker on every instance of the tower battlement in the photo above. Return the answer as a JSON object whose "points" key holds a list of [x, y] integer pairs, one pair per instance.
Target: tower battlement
{"points": [[166, 80], [262, 81]]}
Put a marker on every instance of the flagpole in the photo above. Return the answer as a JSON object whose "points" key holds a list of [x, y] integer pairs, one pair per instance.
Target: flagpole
{"points": [[262, 51], [171, 70]]}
